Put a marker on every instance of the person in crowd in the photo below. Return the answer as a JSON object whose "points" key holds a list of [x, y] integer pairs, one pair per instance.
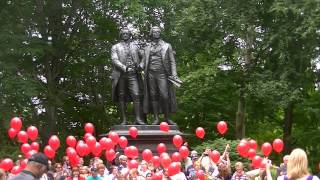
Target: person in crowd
{"points": [[224, 171], [58, 171], [209, 166], [134, 175], [192, 170], [94, 175], [297, 167], [36, 167], [282, 170], [114, 173], [143, 169], [3, 175], [149, 176], [66, 164], [84, 171], [189, 160], [75, 174], [102, 171], [122, 162], [239, 174]]}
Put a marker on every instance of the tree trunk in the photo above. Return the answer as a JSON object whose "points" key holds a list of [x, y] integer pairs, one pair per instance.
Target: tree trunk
{"points": [[240, 116], [287, 128]]}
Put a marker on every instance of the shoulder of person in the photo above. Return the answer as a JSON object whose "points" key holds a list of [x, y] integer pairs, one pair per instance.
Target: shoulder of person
{"points": [[315, 178]]}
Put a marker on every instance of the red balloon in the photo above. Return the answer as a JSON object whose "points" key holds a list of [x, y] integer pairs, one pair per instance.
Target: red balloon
{"points": [[89, 128], [164, 126], [16, 170], [106, 143], [22, 137], [54, 142], [25, 148], [215, 156], [251, 153], [184, 151], [177, 141], [97, 150], [256, 161], [176, 157], [23, 163], [91, 141], [165, 161], [253, 144], [157, 176], [174, 168], [200, 174], [16, 123], [86, 135], [132, 152], [32, 132], [133, 164], [71, 141], [75, 161], [242, 149], [200, 132], [266, 148], [7, 164], [161, 148], [133, 132], [123, 142], [71, 153], [35, 146], [277, 145], [49, 151], [222, 127], [30, 153], [82, 149], [110, 155], [114, 137], [155, 161], [12, 133], [147, 155]]}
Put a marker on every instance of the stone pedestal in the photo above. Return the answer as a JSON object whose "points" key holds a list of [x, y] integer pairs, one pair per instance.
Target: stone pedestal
{"points": [[149, 136]]}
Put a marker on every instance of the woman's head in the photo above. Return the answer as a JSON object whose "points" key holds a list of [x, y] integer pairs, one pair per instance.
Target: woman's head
{"points": [[75, 171], [58, 167], [297, 164]]}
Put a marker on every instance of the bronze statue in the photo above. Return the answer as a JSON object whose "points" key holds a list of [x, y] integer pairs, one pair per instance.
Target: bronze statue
{"points": [[160, 74], [126, 80]]}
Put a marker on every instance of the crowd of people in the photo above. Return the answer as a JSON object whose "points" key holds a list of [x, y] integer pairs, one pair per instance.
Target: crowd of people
{"points": [[294, 166]]}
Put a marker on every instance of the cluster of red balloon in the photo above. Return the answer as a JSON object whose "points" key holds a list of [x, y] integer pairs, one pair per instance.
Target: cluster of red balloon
{"points": [[27, 149], [247, 149], [90, 145]]}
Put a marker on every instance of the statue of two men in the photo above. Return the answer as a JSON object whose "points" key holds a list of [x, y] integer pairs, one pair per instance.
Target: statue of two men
{"points": [[155, 94]]}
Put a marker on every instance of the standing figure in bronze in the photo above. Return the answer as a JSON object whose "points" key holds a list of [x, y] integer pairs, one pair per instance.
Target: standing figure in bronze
{"points": [[160, 74], [127, 85]]}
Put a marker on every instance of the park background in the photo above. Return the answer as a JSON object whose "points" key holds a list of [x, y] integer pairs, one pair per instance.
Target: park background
{"points": [[251, 63]]}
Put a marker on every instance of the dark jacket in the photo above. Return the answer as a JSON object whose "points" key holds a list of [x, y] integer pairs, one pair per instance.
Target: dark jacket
{"points": [[170, 68], [119, 67]]}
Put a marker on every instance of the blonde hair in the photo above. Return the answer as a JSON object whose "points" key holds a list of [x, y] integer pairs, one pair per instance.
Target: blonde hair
{"points": [[239, 164], [297, 164]]}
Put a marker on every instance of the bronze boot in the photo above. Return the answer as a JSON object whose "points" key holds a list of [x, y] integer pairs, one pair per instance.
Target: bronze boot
{"points": [[137, 112], [123, 115], [155, 108]]}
